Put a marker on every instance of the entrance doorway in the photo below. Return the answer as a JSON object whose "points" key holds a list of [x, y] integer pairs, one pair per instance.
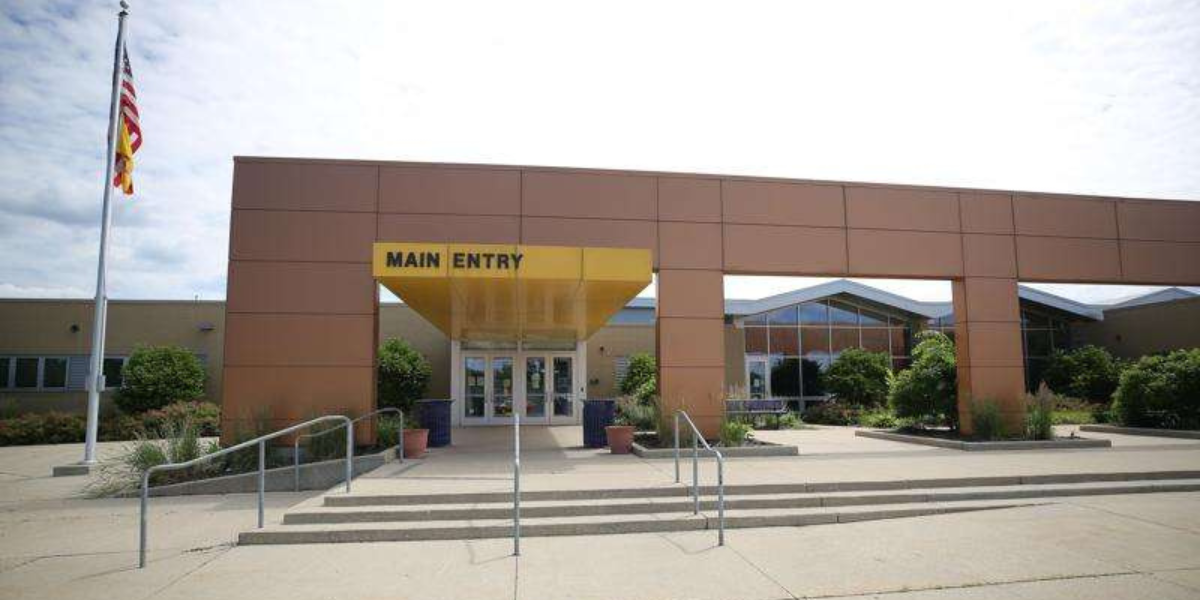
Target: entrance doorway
{"points": [[542, 386]]}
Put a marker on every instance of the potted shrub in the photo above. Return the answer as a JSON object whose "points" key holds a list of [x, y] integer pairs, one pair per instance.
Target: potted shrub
{"points": [[415, 442], [404, 375], [620, 436]]}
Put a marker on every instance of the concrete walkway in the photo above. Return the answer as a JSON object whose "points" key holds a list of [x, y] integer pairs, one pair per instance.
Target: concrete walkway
{"points": [[54, 544]]}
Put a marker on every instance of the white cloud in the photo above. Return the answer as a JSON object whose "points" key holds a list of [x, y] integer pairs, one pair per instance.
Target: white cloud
{"points": [[1061, 96]]}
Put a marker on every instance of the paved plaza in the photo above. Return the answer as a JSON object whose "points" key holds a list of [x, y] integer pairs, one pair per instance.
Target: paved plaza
{"points": [[56, 544]]}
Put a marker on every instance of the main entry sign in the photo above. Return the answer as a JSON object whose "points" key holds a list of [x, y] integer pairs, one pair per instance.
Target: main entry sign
{"points": [[505, 292]]}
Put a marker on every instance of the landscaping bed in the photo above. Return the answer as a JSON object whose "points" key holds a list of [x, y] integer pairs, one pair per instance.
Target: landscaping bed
{"points": [[648, 445], [1186, 434], [945, 439]]}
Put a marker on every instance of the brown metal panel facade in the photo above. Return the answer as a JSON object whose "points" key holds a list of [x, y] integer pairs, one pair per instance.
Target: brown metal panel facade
{"points": [[302, 229]]}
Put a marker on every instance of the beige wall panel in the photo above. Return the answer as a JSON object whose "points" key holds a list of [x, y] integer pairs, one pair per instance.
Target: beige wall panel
{"points": [[295, 393], [608, 344], [1178, 221], [994, 344], [595, 195], [449, 228], [1003, 385], [699, 391], [905, 253], [306, 340], [691, 342], [1069, 217], [773, 203], [986, 212], [958, 299], [462, 191], [686, 199], [301, 236], [735, 357], [1066, 260], [292, 186], [400, 321], [1175, 263], [884, 208], [791, 250], [689, 245], [279, 287], [990, 299], [1140, 330], [590, 232], [989, 255], [691, 293]]}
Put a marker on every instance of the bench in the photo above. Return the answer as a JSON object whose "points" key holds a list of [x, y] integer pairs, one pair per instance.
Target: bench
{"points": [[756, 407]]}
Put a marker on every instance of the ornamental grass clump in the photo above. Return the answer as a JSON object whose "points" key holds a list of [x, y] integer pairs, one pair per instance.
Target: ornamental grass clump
{"points": [[1039, 414]]}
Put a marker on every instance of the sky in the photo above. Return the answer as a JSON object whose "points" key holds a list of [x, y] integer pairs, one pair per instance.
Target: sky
{"points": [[1074, 97]]}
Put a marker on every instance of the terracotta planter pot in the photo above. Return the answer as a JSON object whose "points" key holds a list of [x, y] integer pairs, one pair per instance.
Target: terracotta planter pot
{"points": [[620, 438], [415, 442]]}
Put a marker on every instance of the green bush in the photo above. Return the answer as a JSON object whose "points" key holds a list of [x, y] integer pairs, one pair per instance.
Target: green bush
{"points": [[927, 392], [387, 432], [789, 421], [155, 376], [859, 377], [1039, 414], [1160, 391], [642, 371], [878, 419], [642, 417], [204, 416], [831, 413], [42, 428], [734, 433], [1088, 372], [647, 392], [985, 416], [404, 375]]}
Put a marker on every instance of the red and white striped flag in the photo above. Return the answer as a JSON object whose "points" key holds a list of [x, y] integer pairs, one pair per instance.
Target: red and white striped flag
{"points": [[130, 131]]}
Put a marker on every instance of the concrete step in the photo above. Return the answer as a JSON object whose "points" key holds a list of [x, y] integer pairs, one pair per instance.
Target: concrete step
{"points": [[677, 491], [598, 525], [733, 501]]}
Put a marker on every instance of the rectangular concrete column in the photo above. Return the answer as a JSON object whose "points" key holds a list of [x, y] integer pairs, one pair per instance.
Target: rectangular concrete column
{"points": [[691, 345], [990, 353]]}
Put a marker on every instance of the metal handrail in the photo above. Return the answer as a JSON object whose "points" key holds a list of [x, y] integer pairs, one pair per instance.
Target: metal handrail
{"points": [[516, 483], [261, 442], [696, 473], [296, 440]]}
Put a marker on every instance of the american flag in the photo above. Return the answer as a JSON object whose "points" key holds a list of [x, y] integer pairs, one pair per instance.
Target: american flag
{"points": [[130, 130]]}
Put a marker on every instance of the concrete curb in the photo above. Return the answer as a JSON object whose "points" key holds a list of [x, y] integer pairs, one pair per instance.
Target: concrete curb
{"points": [[1059, 444], [766, 449], [313, 476], [1167, 433]]}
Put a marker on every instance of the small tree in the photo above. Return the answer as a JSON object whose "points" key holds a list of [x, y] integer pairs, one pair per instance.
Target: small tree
{"points": [[1088, 373], [928, 390], [404, 375], [859, 377], [155, 376], [641, 374]]}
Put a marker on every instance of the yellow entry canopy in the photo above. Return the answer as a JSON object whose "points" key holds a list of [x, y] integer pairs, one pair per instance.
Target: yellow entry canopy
{"points": [[498, 292]]}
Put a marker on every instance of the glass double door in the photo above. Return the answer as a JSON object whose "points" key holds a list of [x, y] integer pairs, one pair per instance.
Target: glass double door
{"points": [[538, 386]]}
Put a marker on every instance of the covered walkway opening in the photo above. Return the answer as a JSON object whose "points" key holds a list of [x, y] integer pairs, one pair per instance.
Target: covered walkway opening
{"points": [[518, 319]]}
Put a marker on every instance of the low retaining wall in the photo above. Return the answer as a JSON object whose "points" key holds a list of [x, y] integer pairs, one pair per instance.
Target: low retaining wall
{"points": [[1167, 433], [764, 449], [1058, 444], [313, 476]]}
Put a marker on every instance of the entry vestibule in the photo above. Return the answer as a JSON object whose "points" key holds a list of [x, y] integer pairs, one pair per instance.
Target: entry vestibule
{"points": [[544, 386]]}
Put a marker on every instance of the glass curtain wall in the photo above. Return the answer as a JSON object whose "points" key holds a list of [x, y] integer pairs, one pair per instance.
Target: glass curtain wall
{"points": [[797, 342]]}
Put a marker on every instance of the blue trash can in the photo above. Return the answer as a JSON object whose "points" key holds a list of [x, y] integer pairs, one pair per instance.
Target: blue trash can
{"points": [[435, 416], [597, 414]]}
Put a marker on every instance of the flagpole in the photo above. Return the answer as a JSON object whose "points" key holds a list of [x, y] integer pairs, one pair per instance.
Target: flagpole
{"points": [[100, 312]]}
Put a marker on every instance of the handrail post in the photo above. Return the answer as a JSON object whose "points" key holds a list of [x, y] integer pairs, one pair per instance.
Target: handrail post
{"points": [[400, 437], [695, 474], [349, 454], [721, 500], [516, 483], [296, 462], [262, 479], [677, 447], [142, 528]]}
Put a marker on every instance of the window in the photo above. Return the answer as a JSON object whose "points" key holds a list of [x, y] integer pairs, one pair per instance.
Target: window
{"points": [[814, 313], [785, 340], [842, 314], [25, 376], [785, 377], [5, 363], [620, 368], [54, 373], [113, 368], [756, 340]]}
